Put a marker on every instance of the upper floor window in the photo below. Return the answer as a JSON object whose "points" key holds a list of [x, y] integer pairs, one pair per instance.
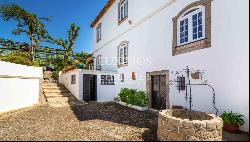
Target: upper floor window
{"points": [[98, 62], [122, 10], [99, 33], [192, 28], [123, 54]]}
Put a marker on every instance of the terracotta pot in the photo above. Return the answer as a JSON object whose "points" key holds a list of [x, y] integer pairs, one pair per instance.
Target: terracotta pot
{"points": [[231, 128]]}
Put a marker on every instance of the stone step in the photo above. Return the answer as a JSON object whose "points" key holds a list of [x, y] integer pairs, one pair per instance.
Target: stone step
{"points": [[52, 84], [54, 88], [59, 99], [54, 91], [57, 94], [51, 87]]}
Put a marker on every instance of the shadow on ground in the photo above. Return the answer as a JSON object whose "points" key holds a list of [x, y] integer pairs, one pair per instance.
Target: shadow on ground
{"points": [[119, 114]]}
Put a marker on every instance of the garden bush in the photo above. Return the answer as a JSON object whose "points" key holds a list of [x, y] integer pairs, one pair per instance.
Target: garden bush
{"points": [[133, 97]]}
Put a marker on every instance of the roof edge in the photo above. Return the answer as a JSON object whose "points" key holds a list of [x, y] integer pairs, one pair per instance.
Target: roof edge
{"points": [[104, 10]]}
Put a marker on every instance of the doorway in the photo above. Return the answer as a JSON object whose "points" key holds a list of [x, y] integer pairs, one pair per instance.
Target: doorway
{"points": [[89, 87], [158, 90]]}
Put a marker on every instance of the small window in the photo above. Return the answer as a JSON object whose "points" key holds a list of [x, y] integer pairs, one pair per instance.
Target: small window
{"points": [[122, 10], [123, 54], [73, 79], [107, 80], [98, 62], [122, 77], [99, 33]]}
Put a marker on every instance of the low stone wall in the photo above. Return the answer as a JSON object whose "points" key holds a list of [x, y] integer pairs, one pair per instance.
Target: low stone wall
{"points": [[174, 125]]}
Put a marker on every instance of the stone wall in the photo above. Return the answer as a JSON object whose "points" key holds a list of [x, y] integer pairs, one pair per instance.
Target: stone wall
{"points": [[179, 128]]}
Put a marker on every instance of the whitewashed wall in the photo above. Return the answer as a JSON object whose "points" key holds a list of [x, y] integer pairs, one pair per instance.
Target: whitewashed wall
{"points": [[65, 79], [15, 91], [226, 62], [105, 93]]}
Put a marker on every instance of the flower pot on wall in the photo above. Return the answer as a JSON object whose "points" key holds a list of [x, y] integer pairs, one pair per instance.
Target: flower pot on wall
{"points": [[231, 128]]}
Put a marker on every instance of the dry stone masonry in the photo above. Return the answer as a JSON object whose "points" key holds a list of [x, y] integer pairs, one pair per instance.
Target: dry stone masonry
{"points": [[174, 125]]}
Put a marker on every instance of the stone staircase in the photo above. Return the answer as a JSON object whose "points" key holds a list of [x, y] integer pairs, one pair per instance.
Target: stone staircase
{"points": [[57, 95]]}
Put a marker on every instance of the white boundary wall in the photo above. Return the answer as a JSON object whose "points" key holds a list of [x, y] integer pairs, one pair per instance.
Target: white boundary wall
{"points": [[19, 86]]}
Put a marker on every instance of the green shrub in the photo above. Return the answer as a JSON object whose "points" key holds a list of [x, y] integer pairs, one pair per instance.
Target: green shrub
{"points": [[133, 97], [232, 118], [22, 58]]}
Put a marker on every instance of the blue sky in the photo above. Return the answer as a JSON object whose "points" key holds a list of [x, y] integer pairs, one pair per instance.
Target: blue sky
{"points": [[63, 13]]}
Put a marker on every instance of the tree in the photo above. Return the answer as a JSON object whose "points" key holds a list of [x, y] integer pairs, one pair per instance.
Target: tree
{"points": [[68, 45], [81, 57], [28, 24]]}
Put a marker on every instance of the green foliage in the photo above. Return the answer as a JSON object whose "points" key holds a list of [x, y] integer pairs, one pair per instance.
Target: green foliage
{"points": [[232, 118], [55, 74], [18, 58], [27, 23], [133, 97], [68, 45], [30, 53], [81, 57]]}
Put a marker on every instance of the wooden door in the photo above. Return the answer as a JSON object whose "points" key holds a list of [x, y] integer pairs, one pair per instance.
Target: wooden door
{"points": [[159, 92], [93, 86], [86, 87], [89, 87]]}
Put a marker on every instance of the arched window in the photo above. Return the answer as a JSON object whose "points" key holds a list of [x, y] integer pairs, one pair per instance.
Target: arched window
{"points": [[192, 28], [99, 62], [123, 54], [99, 32], [122, 11]]}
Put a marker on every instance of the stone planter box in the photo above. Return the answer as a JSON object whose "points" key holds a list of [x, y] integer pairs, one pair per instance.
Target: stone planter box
{"points": [[132, 106], [175, 125]]}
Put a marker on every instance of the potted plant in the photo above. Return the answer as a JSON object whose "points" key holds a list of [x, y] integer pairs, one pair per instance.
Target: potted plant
{"points": [[232, 121]]}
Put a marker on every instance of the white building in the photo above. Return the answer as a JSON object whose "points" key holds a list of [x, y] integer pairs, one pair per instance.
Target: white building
{"points": [[142, 38]]}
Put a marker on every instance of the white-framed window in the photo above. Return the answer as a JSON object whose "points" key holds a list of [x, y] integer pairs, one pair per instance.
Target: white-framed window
{"points": [[99, 32], [123, 10], [99, 62], [191, 26], [107, 80], [123, 54]]}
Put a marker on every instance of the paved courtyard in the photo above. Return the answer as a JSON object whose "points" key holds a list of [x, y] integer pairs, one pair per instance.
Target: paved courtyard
{"points": [[95, 121]]}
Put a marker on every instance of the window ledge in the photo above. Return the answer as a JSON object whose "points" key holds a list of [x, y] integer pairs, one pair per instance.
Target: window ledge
{"points": [[123, 20], [123, 65], [197, 45], [98, 40], [107, 84]]}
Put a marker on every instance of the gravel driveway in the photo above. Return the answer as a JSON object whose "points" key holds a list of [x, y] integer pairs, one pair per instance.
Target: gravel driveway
{"points": [[94, 121]]}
